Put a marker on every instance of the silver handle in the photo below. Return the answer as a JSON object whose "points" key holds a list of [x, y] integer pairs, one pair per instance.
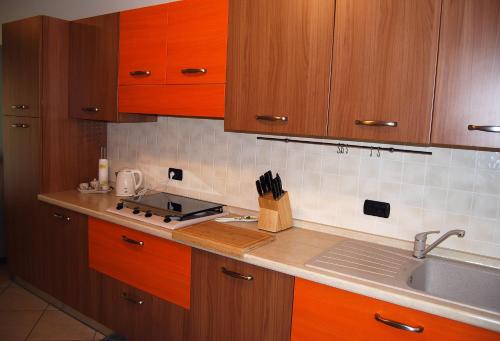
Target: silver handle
{"points": [[236, 274], [271, 118], [20, 125], [19, 107], [126, 297], [90, 109], [191, 72], [376, 123], [62, 217], [488, 129], [132, 241], [140, 73], [398, 325]]}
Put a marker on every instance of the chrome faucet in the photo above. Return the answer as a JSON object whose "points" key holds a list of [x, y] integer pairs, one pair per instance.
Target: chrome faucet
{"points": [[419, 249]]}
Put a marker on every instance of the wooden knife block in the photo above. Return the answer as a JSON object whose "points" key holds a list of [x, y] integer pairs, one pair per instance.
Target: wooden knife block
{"points": [[275, 215]]}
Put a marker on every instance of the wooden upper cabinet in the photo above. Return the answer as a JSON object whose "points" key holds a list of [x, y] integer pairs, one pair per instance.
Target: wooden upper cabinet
{"points": [[384, 66], [197, 42], [143, 46], [227, 306], [279, 58], [323, 313], [22, 46], [468, 76]]}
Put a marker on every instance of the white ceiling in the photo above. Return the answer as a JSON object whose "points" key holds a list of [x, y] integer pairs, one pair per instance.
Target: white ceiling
{"points": [[11, 10]]}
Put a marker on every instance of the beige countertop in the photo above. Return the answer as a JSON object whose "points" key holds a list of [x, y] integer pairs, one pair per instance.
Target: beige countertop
{"points": [[288, 253]]}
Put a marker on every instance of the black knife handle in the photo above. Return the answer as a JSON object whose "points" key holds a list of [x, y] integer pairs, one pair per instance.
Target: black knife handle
{"points": [[259, 188], [269, 179], [275, 190], [263, 184], [280, 185]]}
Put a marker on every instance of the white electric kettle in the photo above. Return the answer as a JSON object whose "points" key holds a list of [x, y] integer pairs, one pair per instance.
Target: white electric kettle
{"points": [[127, 182]]}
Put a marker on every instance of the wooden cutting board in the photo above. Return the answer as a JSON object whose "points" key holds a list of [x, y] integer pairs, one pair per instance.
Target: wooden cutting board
{"points": [[222, 237]]}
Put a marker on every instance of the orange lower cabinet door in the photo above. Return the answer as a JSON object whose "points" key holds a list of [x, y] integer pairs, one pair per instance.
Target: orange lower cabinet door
{"points": [[197, 100], [154, 265], [325, 313]]}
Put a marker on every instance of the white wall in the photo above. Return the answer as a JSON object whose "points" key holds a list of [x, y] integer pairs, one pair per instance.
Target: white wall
{"points": [[11, 10]]}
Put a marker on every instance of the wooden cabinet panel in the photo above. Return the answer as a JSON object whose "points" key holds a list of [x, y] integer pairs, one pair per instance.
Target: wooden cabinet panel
{"points": [[229, 308], [94, 68], [279, 57], [22, 44], [321, 312], [384, 64], [143, 45], [138, 315], [202, 100], [468, 75], [21, 148], [197, 39], [158, 266]]}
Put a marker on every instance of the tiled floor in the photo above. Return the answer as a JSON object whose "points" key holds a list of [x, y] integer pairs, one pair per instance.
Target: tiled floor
{"points": [[25, 317]]}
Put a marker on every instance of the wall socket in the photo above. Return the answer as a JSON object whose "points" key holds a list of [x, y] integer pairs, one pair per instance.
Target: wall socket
{"points": [[175, 174]]}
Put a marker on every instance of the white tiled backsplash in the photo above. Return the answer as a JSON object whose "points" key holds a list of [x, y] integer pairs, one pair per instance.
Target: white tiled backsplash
{"points": [[451, 189]]}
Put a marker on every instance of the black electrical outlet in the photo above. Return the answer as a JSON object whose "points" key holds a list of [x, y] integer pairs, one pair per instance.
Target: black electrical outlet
{"points": [[175, 174], [377, 208]]}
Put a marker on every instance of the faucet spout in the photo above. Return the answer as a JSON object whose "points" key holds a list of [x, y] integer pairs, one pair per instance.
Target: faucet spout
{"points": [[419, 246]]}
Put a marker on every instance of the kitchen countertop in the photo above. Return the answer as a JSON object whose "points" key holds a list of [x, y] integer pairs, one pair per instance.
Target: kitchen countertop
{"points": [[288, 254]]}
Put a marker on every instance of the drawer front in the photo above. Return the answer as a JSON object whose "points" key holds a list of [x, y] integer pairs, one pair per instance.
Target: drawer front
{"points": [[321, 312], [152, 264], [176, 100]]}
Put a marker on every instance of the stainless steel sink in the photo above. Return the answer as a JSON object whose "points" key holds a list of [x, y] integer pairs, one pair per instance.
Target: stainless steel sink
{"points": [[469, 284]]}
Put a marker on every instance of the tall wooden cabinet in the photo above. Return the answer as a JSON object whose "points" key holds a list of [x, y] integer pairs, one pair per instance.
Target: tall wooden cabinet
{"points": [[467, 105], [279, 58], [232, 300], [384, 65], [43, 148]]}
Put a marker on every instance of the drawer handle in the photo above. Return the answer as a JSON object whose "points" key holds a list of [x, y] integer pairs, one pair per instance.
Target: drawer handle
{"points": [[488, 129], [236, 274], [271, 118], [132, 241], [194, 72], [372, 123], [62, 217], [90, 109], [398, 325], [20, 125], [126, 297], [140, 73], [19, 107]]}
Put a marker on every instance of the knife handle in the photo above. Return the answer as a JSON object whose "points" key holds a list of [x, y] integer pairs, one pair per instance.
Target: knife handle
{"points": [[259, 188], [280, 185], [275, 190], [263, 184]]}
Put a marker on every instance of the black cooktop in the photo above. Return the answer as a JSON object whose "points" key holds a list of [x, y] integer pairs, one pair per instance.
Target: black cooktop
{"points": [[170, 204]]}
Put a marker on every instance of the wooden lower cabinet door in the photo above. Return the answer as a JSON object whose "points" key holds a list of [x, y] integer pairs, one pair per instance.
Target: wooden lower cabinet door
{"points": [[226, 306], [325, 313], [137, 315]]}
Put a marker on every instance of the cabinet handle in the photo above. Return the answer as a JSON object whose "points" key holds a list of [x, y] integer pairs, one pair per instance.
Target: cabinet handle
{"points": [[488, 129], [140, 73], [132, 241], [90, 109], [398, 325], [20, 125], [126, 297], [236, 274], [193, 72], [271, 118], [19, 107], [371, 123], [62, 217]]}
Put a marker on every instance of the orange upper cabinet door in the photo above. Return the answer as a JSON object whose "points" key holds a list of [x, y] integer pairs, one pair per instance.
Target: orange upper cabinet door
{"points": [[279, 59], [143, 46], [467, 105], [384, 66], [197, 41]]}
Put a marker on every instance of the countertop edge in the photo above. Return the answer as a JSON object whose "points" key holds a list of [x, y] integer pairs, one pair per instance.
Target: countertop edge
{"points": [[359, 286]]}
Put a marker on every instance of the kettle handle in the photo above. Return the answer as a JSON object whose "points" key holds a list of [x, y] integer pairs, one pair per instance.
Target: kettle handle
{"points": [[141, 178]]}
